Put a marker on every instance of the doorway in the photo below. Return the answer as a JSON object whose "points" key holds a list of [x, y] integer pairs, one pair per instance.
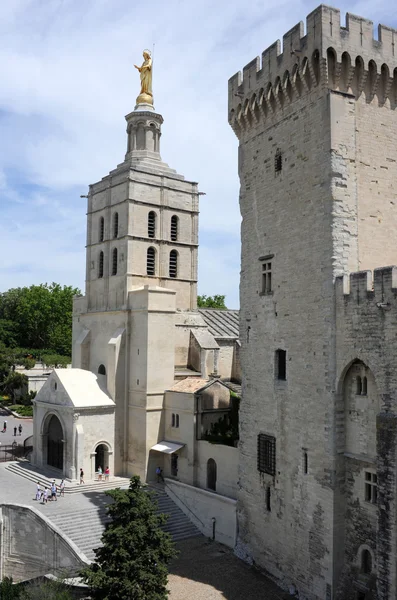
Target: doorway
{"points": [[211, 474], [101, 457], [55, 443]]}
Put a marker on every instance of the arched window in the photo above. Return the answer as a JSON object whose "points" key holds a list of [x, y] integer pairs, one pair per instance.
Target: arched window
{"points": [[365, 387], [115, 225], [173, 420], [211, 474], [114, 261], [151, 261], [101, 229], [100, 265], [176, 420], [101, 370], [173, 270], [151, 224], [174, 228], [359, 385], [366, 562]]}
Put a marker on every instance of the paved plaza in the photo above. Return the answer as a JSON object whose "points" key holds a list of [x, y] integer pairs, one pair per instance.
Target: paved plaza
{"points": [[8, 437]]}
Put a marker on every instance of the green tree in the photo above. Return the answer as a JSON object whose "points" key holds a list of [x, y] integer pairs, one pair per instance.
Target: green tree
{"points": [[132, 564], [9, 591], [12, 383], [216, 301]]}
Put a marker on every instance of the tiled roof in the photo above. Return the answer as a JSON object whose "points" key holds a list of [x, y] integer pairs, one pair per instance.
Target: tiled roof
{"points": [[190, 384], [221, 323]]}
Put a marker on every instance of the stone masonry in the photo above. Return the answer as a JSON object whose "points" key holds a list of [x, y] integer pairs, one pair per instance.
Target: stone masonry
{"points": [[317, 125]]}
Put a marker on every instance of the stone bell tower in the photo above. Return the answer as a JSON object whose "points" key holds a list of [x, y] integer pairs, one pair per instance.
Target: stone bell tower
{"points": [[141, 267]]}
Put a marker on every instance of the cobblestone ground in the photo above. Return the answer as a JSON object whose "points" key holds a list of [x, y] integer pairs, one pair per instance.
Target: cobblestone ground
{"points": [[206, 570]]}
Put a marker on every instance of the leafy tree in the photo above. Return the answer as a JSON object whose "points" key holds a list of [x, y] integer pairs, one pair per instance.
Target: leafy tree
{"points": [[9, 591], [216, 301], [47, 590], [12, 383], [132, 564]]}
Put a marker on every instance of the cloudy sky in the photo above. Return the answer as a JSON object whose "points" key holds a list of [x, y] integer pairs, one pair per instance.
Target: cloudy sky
{"points": [[66, 82]]}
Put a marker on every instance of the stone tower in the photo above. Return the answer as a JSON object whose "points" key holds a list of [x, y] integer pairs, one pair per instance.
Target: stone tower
{"points": [[141, 271], [317, 125]]}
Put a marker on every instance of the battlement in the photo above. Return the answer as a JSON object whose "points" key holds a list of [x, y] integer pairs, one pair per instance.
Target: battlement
{"points": [[379, 286], [326, 56]]}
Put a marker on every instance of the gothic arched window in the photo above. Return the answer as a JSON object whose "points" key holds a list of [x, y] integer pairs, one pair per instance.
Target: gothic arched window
{"points": [[101, 229], [173, 270], [211, 474], [100, 265], [151, 261], [115, 225], [174, 228], [114, 262], [151, 224]]}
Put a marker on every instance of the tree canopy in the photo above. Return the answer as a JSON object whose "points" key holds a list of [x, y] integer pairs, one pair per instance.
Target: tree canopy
{"points": [[38, 317], [132, 564], [216, 301]]}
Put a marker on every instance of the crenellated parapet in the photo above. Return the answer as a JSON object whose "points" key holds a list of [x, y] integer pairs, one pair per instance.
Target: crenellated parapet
{"points": [[342, 58], [379, 287]]}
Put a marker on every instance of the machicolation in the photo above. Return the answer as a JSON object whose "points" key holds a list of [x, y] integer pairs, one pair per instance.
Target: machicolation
{"points": [[344, 59]]}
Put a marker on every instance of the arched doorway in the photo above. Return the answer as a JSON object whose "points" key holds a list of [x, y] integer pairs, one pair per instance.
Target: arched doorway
{"points": [[55, 443], [101, 457], [211, 474]]}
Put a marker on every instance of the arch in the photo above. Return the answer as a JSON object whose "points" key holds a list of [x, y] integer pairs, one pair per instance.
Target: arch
{"points": [[101, 370], [345, 72], [173, 264], [114, 261], [101, 456], [316, 65], [306, 73], [384, 83], [174, 228], [366, 562], [278, 90], [358, 76], [55, 442], [331, 67], [151, 261], [296, 78], [116, 225], [289, 92], [151, 224], [370, 87], [211, 474], [101, 229], [100, 265]]}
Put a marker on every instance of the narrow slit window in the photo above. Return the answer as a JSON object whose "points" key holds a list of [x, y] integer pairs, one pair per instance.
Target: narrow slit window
{"points": [[359, 385], [281, 365], [278, 161], [151, 224], [173, 267], [176, 420], [364, 391], [100, 265], [114, 262], [305, 463], [173, 420], [115, 225], [174, 228], [268, 498], [101, 229], [151, 261]]}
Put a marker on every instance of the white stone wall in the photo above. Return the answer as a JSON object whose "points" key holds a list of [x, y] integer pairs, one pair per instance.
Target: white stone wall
{"points": [[181, 404], [226, 459]]}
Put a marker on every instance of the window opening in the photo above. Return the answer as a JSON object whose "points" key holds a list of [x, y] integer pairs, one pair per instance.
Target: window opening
{"points": [[151, 224], [115, 225], [365, 386], [268, 496], [100, 265], [114, 262], [173, 420], [101, 370], [366, 562], [281, 364], [278, 161], [371, 487], [266, 454], [174, 465], [177, 421], [151, 261], [101, 229], [266, 277], [305, 463], [173, 268], [211, 474], [174, 228], [359, 385]]}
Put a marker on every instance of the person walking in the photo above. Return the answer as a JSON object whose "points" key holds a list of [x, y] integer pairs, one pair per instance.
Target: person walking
{"points": [[20, 429], [54, 491], [99, 473], [159, 473], [81, 475], [45, 495], [62, 488], [4, 427], [107, 473], [15, 431], [38, 492]]}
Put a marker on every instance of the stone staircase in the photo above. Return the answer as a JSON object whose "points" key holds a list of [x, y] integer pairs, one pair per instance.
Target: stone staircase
{"points": [[85, 528], [25, 470]]}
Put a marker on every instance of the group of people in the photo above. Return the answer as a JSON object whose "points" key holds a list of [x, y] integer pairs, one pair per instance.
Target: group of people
{"points": [[49, 493], [100, 473], [19, 428]]}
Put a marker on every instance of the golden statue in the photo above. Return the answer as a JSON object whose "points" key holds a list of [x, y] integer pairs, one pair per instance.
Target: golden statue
{"points": [[145, 70]]}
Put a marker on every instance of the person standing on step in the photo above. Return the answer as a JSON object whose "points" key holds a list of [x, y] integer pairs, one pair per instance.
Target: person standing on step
{"points": [[81, 475], [53, 491], [45, 495], [20, 429], [107, 473], [15, 431], [38, 492], [99, 473], [62, 488]]}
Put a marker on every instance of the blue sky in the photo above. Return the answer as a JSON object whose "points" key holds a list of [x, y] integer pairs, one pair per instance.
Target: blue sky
{"points": [[66, 82]]}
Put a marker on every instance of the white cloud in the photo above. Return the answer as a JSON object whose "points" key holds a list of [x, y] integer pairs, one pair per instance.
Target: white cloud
{"points": [[67, 80]]}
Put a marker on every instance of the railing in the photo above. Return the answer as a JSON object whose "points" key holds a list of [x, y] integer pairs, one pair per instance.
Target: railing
{"points": [[10, 452], [28, 445]]}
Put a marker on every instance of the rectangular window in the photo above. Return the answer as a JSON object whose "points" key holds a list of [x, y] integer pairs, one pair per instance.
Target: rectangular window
{"points": [[371, 487], [266, 454], [281, 364], [266, 277]]}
